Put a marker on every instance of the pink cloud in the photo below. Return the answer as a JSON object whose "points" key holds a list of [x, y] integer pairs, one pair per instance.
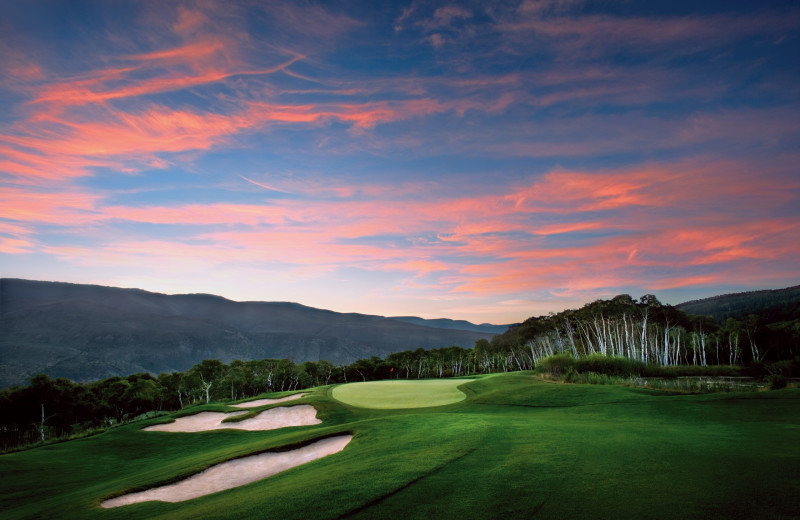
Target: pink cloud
{"points": [[26, 72], [419, 266], [582, 229], [602, 33], [155, 129], [111, 133], [15, 239], [14, 246], [508, 231], [94, 91], [17, 68], [362, 115], [628, 261], [200, 214], [185, 54], [189, 21], [61, 208], [599, 134], [100, 130], [683, 184], [571, 227], [7, 228], [444, 16], [29, 166], [470, 226]]}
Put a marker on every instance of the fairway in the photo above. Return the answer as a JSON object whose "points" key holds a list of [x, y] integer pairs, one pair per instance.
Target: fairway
{"points": [[401, 393], [510, 447]]}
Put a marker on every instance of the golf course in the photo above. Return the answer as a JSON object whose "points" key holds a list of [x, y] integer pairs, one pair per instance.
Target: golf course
{"points": [[498, 446]]}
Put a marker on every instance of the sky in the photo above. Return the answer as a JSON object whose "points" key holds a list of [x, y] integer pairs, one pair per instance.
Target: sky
{"points": [[486, 160]]}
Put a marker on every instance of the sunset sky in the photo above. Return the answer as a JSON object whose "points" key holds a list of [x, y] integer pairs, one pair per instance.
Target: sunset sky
{"points": [[486, 161]]}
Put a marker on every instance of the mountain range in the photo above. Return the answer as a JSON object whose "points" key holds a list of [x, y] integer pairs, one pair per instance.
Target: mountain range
{"points": [[89, 332]]}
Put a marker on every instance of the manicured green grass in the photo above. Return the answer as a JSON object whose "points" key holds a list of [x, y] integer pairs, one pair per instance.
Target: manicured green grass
{"points": [[514, 448], [401, 393]]}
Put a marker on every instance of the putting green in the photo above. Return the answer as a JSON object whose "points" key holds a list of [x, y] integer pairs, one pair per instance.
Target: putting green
{"points": [[401, 394]]}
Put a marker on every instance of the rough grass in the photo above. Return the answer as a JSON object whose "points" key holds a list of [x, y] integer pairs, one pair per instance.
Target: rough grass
{"points": [[400, 393], [516, 447]]}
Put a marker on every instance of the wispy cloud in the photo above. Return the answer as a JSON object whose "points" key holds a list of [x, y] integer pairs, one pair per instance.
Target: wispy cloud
{"points": [[480, 153], [617, 226], [601, 34]]}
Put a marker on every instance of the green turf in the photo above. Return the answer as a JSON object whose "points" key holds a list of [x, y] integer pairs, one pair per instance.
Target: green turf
{"points": [[514, 448], [401, 393]]}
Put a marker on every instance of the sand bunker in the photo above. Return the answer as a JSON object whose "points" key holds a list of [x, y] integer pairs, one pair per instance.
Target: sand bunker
{"points": [[234, 473], [262, 402], [282, 417]]}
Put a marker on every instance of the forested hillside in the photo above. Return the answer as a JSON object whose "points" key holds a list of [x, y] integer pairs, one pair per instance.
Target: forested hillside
{"points": [[771, 306], [85, 332], [650, 332]]}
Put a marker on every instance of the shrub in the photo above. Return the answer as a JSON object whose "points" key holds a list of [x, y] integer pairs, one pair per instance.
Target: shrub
{"points": [[610, 365], [557, 365], [787, 368], [777, 381]]}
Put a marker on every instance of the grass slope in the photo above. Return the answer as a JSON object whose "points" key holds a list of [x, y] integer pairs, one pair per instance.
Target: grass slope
{"points": [[515, 448], [401, 393]]}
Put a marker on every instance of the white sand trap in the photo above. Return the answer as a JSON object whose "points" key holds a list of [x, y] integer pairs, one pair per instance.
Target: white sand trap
{"points": [[274, 418], [263, 402], [234, 473]]}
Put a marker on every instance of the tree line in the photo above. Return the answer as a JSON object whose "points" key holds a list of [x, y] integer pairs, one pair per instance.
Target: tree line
{"points": [[644, 331], [50, 408]]}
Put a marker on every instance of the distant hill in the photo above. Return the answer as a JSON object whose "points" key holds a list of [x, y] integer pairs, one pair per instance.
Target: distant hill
{"points": [[444, 323], [771, 305], [88, 332]]}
